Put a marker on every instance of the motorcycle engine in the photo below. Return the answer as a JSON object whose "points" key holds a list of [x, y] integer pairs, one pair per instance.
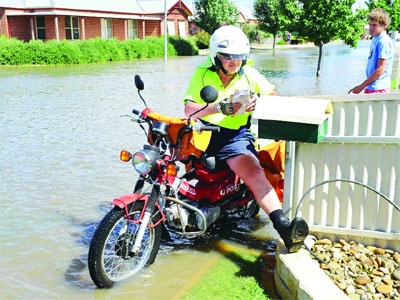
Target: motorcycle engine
{"points": [[177, 216], [184, 219]]}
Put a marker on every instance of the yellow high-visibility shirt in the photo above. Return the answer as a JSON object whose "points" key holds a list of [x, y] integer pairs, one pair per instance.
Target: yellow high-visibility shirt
{"points": [[249, 79]]}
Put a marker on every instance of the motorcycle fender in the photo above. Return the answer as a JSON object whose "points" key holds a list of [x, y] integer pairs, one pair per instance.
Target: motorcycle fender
{"points": [[124, 200]]}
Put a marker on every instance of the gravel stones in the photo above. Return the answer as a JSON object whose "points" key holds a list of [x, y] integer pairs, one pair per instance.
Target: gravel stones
{"points": [[362, 272]]}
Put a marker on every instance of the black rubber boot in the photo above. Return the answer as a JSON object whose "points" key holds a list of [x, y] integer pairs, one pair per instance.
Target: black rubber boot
{"points": [[292, 233]]}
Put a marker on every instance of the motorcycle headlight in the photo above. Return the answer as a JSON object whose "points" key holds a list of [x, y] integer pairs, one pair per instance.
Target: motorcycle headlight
{"points": [[144, 161]]}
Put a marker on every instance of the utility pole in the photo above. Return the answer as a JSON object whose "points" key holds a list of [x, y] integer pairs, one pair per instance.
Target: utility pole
{"points": [[165, 33]]}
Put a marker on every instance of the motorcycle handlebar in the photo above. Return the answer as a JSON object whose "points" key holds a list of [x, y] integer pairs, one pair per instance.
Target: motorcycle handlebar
{"points": [[136, 112], [200, 127], [211, 128]]}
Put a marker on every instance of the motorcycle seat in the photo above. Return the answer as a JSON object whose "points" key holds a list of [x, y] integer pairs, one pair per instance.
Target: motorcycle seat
{"points": [[212, 164]]}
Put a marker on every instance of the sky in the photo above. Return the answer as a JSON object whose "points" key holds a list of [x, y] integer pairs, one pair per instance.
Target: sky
{"points": [[247, 3]]}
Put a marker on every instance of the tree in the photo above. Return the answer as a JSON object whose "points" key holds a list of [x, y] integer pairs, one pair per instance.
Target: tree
{"points": [[322, 21], [253, 32], [392, 7], [271, 15], [210, 14]]}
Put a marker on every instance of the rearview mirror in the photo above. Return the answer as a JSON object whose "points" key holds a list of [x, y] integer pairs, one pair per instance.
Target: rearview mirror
{"points": [[139, 83], [209, 94]]}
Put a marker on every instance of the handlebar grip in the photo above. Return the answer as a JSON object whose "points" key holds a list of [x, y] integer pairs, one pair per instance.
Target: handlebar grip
{"points": [[136, 112], [210, 128]]}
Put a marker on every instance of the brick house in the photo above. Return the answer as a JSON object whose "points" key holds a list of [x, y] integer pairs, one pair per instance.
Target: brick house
{"points": [[245, 15], [74, 19]]}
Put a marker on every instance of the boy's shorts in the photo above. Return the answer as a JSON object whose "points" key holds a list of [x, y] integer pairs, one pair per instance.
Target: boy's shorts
{"points": [[382, 91]]}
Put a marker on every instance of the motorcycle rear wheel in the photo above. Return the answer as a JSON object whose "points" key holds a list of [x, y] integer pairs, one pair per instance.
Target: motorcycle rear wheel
{"points": [[252, 209], [109, 258]]}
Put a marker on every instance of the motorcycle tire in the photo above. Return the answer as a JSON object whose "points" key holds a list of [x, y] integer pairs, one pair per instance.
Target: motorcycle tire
{"points": [[109, 258], [252, 209]]}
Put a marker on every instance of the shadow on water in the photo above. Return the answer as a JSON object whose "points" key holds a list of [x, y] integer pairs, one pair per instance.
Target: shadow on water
{"points": [[76, 273], [238, 231]]}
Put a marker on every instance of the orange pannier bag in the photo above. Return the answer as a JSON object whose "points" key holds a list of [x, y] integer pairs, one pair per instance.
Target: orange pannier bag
{"points": [[192, 143], [272, 159]]}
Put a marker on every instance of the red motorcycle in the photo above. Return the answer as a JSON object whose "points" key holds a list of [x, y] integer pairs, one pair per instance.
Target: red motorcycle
{"points": [[163, 202]]}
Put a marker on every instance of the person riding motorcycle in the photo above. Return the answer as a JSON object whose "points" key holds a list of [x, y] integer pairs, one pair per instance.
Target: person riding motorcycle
{"points": [[238, 85]]}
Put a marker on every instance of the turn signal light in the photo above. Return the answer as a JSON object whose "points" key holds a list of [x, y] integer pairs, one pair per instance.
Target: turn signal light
{"points": [[171, 170], [125, 156]]}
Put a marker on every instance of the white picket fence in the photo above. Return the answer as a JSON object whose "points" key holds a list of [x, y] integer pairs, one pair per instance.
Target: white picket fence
{"points": [[344, 185]]}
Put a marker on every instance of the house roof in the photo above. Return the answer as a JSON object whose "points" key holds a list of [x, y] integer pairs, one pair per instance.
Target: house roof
{"points": [[116, 6], [245, 11], [157, 6], [127, 6], [12, 3]]}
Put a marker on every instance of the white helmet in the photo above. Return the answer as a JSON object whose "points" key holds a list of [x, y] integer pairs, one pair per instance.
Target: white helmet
{"points": [[229, 40]]}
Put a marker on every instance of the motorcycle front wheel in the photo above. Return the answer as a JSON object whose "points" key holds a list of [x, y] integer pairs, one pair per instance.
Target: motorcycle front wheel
{"points": [[110, 259]]}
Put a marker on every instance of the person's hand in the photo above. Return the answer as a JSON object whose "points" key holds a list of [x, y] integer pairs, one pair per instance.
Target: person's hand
{"points": [[227, 108], [252, 104], [356, 90]]}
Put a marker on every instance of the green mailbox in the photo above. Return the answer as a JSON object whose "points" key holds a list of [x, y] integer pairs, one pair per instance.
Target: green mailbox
{"points": [[292, 119]]}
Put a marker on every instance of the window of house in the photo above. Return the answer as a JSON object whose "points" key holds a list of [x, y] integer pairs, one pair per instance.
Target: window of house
{"points": [[132, 29], [71, 28], [40, 28], [171, 28], [106, 28], [182, 29]]}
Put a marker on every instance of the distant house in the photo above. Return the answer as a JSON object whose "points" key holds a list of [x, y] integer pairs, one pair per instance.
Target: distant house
{"points": [[80, 20], [245, 15]]}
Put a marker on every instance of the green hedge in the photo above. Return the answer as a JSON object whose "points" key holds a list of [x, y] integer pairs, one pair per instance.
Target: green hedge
{"points": [[184, 47], [37, 52], [201, 39]]}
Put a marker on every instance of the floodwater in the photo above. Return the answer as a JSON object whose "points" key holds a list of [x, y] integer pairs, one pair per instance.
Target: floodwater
{"points": [[61, 133]]}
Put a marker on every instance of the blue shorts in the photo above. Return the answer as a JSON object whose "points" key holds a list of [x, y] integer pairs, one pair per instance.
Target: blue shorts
{"points": [[229, 143]]}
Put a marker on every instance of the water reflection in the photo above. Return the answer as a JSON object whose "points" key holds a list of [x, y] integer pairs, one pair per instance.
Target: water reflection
{"points": [[61, 133]]}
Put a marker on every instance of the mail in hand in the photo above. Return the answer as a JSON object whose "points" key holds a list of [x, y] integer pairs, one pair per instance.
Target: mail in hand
{"points": [[242, 97]]}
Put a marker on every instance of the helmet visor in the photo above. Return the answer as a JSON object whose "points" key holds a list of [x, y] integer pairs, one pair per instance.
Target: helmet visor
{"points": [[227, 56]]}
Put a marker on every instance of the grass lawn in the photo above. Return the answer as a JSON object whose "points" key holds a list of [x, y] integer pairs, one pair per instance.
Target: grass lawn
{"points": [[238, 275]]}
